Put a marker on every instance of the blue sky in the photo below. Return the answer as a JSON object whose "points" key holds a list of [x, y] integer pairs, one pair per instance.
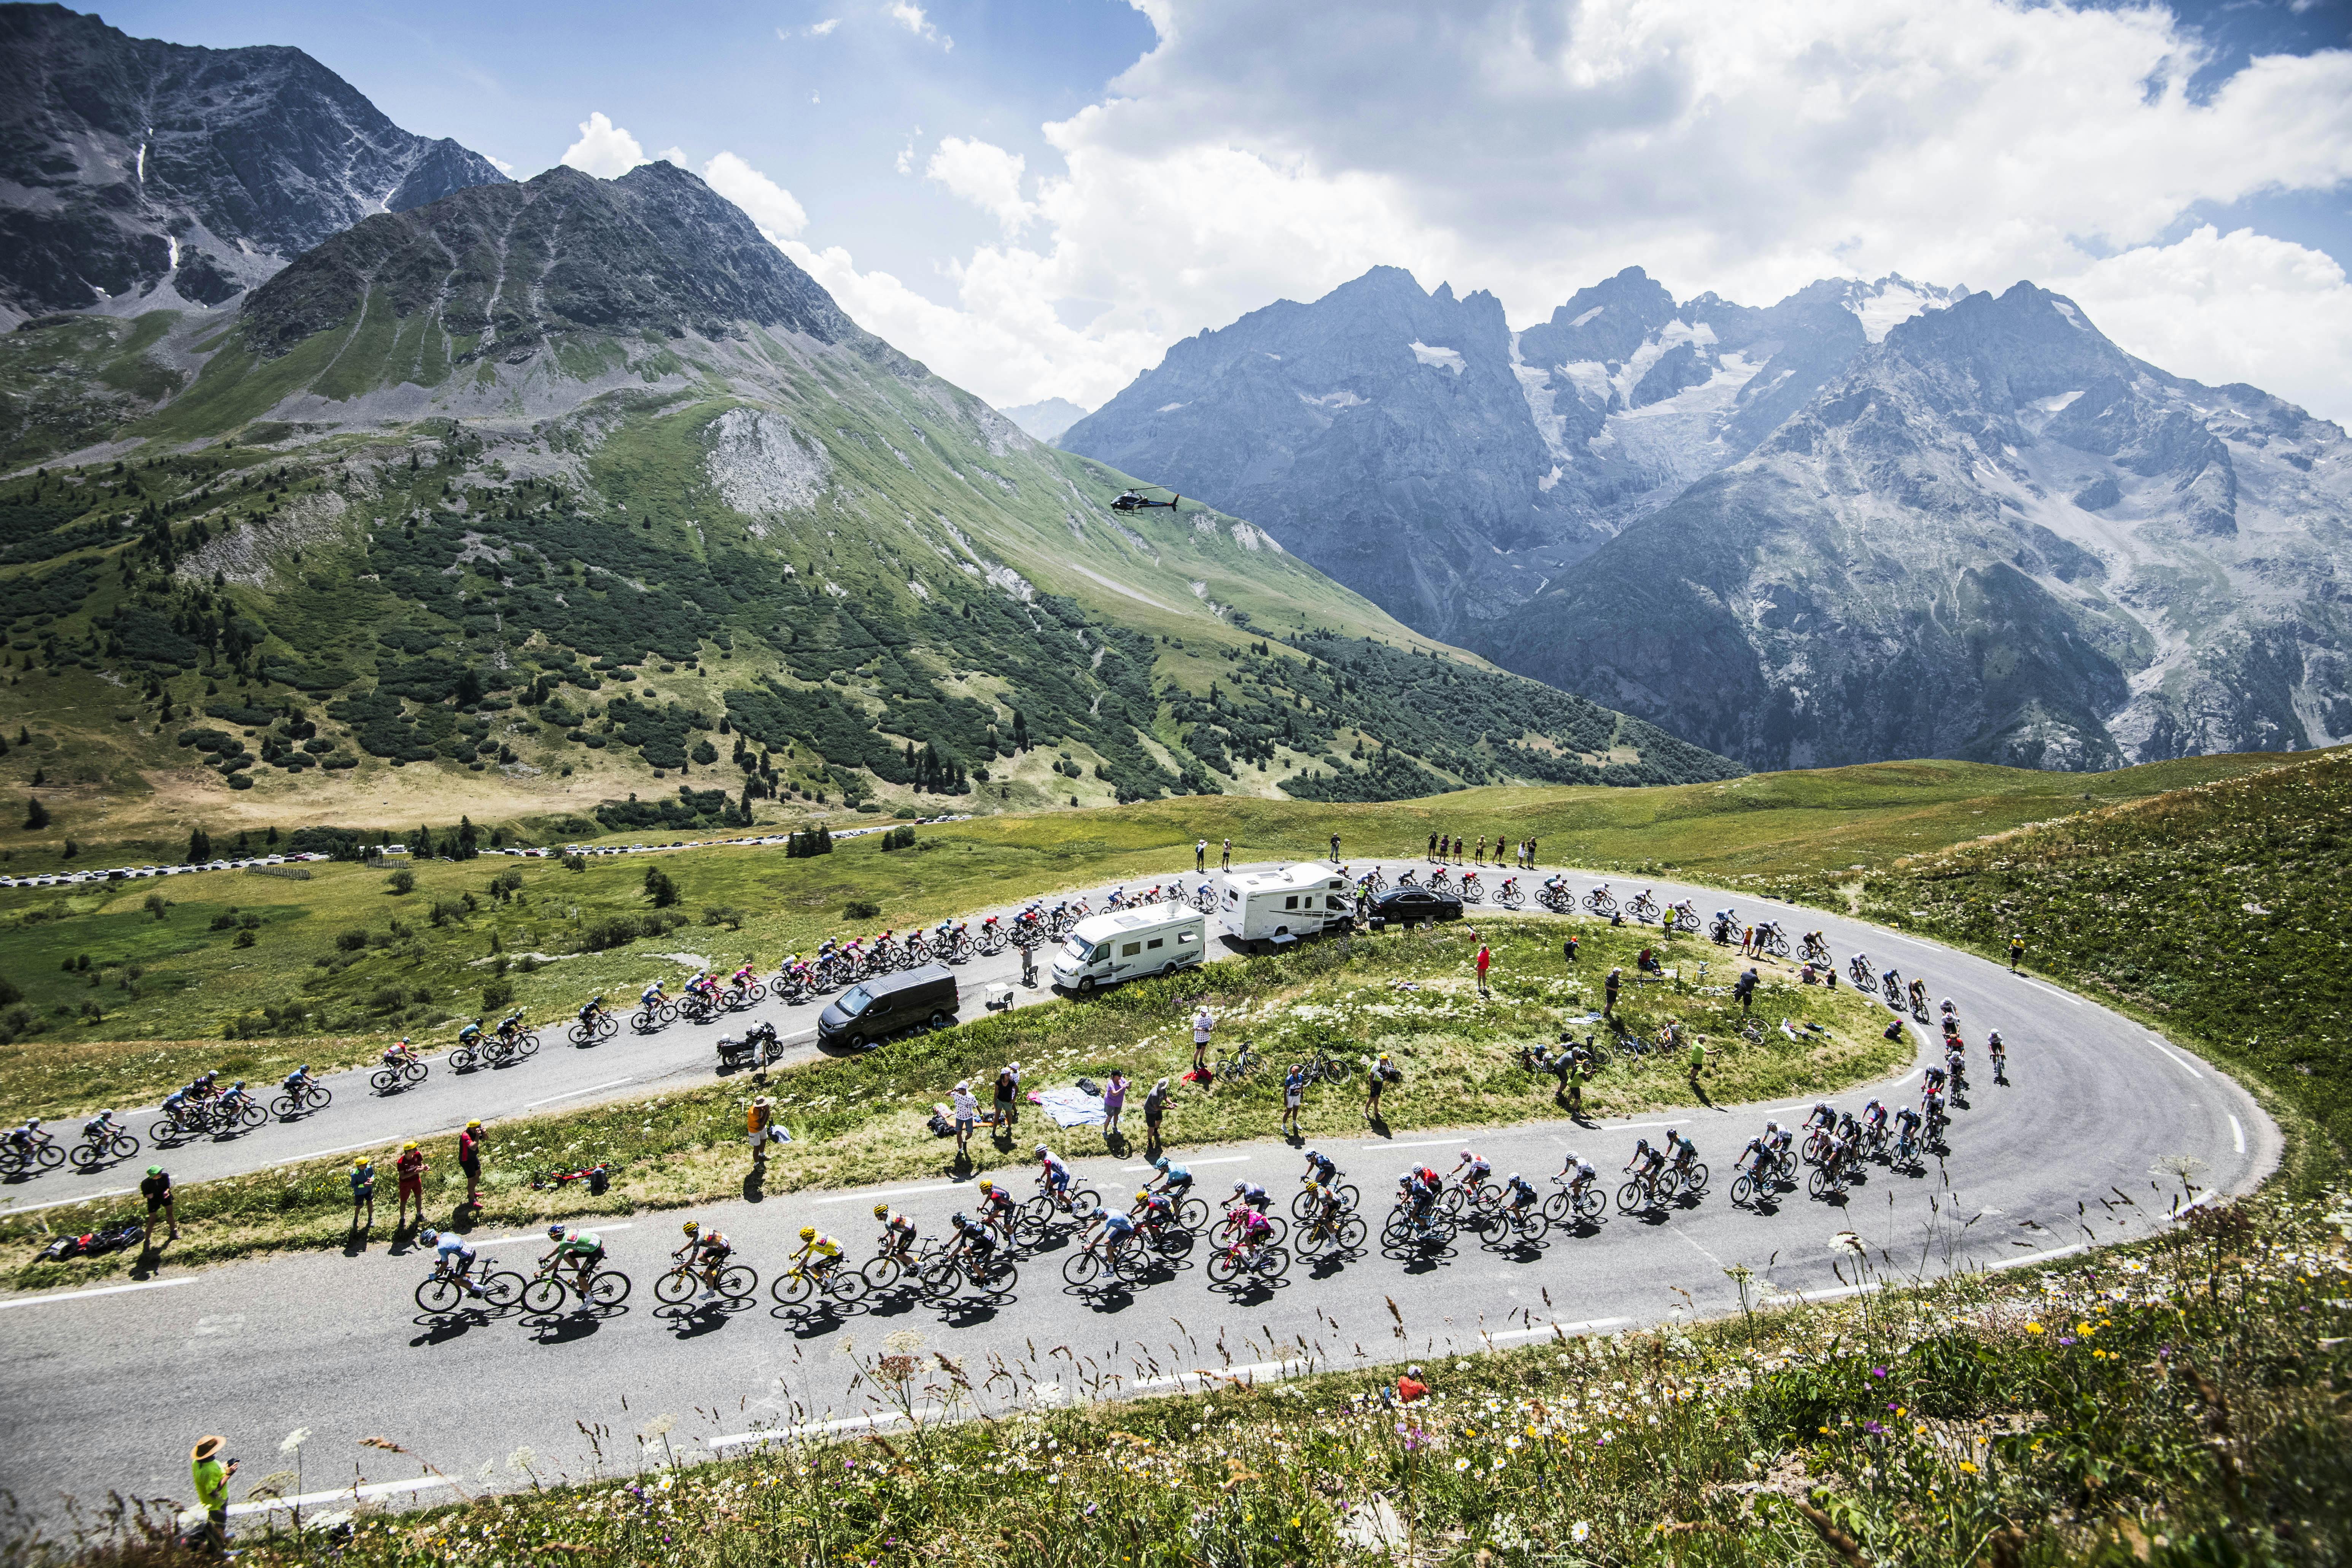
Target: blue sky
{"points": [[1038, 196]]}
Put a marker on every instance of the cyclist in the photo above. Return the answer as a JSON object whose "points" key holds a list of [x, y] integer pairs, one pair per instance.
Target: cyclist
{"points": [[997, 1206], [1517, 1194], [1919, 995], [1931, 1108], [1999, 1054], [1578, 1172], [1173, 1180], [470, 1035], [1474, 1173], [1253, 1231], [1647, 1162], [706, 1251], [1756, 1159], [1052, 1174], [974, 1237], [590, 1011], [1860, 964], [1152, 1208], [176, 1107], [398, 1053], [580, 1248], [1322, 1170], [653, 996], [28, 1137], [897, 1233], [297, 1082], [234, 1099], [1418, 1198], [1906, 1129], [453, 1256], [510, 1025], [1874, 1121], [819, 1252], [1680, 1150], [1824, 1114], [1890, 981], [1956, 1063], [1934, 1078], [1118, 1232]]}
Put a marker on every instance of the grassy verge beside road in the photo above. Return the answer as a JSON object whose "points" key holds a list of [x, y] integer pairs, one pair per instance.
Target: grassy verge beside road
{"points": [[863, 1119], [337, 962]]}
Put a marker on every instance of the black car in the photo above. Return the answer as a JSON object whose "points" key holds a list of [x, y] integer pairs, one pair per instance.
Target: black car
{"points": [[1416, 904], [873, 1010]]}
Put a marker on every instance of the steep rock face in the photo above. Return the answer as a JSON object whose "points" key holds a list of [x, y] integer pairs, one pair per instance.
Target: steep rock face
{"points": [[1411, 446], [135, 173], [1993, 535]]}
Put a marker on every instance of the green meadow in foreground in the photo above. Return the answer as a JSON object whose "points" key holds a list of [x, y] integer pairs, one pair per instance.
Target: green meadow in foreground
{"points": [[863, 1119]]}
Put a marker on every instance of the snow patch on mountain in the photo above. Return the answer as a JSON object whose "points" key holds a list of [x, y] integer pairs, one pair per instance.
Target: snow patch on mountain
{"points": [[1449, 359], [1893, 300]]}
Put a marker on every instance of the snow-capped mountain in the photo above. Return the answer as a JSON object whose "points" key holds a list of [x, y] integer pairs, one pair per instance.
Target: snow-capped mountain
{"points": [[1993, 535], [1414, 446], [142, 175]]}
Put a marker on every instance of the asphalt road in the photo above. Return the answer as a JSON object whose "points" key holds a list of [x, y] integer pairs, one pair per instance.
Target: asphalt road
{"points": [[2073, 1152]]}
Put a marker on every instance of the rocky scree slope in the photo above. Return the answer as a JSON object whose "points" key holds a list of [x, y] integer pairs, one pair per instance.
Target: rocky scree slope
{"points": [[582, 484], [136, 174], [1449, 469], [1994, 535]]}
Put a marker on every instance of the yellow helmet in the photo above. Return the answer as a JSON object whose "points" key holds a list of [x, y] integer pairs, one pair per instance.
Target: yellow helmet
{"points": [[474, 1126], [881, 1210], [410, 1144], [690, 1227], [987, 1187], [808, 1233], [1142, 1197]]}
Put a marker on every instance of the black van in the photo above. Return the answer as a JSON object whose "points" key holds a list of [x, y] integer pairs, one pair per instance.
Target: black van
{"points": [[874, 1009]]}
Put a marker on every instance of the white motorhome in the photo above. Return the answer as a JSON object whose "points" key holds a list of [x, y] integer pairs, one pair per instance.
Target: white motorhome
{"points": [[1274, 909], [1103, 950]]}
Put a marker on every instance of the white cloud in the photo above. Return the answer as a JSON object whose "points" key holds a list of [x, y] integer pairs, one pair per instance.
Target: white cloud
{"points": [[909, 15], [768, 205], [604, 150], [1532, 146], [2220, 307], [500, 164], [824, 29], [674, 155], [986, 175]]}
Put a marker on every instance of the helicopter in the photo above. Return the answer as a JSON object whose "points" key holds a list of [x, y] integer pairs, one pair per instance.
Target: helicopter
{"points": [[1128, 501]]}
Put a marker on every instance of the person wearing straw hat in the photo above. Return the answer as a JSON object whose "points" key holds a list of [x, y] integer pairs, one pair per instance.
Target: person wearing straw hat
{"points": [[966, 1115], [211, 1475], [759, 1121]]}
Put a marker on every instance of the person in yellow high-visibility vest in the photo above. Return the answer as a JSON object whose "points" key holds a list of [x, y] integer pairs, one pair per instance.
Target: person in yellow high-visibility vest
{"points": [[211, 1475]]}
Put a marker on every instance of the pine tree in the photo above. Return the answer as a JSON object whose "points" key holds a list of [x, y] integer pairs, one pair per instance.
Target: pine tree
{"points": [[200, 846], [35, 814]]}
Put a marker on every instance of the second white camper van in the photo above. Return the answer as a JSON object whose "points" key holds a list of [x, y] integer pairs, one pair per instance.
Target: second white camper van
{"points": [[1274, 909], [1104, 949]]}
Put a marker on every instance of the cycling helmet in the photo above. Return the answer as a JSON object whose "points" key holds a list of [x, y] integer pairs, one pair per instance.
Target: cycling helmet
{"points": [[1573, 1157], [1142, 1197], [1513, 1180], [1467, 1155], [428, 1237], [961, 1219], [1042, 1150], [555, 1232], [304, 1068], [1993, 1038], [1241, 1186], [36, 1121], [691, 1226], [986, 1185], [1161, 1163], [808, 1233], [1771, 1127], [881, 1210], [1314, 1156]]}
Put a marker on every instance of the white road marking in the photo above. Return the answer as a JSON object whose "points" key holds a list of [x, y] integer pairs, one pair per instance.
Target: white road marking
{"points": [[349, 1494], [1425, 1144], [540, 1235], [2175, 1057], [1187, 1165], [575, 1093], [2071, 1001], [2237, 1134], [1208, 1374], [811, 1428], [60, 1203], [1589, 1325], [322, 1154], [898, 1193], [101, 1290]]}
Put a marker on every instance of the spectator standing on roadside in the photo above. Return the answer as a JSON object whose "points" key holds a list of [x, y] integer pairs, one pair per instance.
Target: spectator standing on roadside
{"points": [[1698, 1060], [1457, 850], [759, 1121], [1433, 848], [1609, 990], [157, 1190], [1227, 862], [1200, 855], [1573, 1081], [1485, 959], [1007, 1103], [1335, 849], [1155, 1105], [2016, 952], [1114, 1101], [1745, 989], [1567, 949], [1202, 1025], [210, 1478], [469, 1160], [362, 1193], [967, 1113], [409, 1168], [1384, 1072], [1293, 1091], [1531, 854], [1028, 964], [1481, 858]]}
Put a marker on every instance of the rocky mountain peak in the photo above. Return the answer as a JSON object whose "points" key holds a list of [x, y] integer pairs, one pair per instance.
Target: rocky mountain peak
{"points": [[143, 174]]}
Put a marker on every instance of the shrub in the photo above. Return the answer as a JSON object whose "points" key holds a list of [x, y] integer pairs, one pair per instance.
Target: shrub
{"points": [[659, 888], [402, 881], [860, 909], [244, 938], [498, 993], [726, 915], [224, 922], [444, 911], [387, 999], [351, 941], [575, 862], [156, 905]]}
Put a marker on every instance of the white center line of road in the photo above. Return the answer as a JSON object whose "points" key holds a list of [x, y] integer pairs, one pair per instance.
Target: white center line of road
{"points": [[1425, 1144], [101, 1290], [2237, 1134], [349, 1494], [894, 1193], [2070, 1001], [575, 1093], [1187, 1165], [322, 1154], [2175, 1057], [60, 1203], [1586, 1327], [540, 1235]]}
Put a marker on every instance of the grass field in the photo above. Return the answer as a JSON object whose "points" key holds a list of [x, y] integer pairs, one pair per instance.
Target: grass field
{"points": [[297, 994], [862, 1119]]}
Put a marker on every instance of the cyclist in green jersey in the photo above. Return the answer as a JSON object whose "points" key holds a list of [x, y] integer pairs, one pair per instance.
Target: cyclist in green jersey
{"points": [[579, 1248]]}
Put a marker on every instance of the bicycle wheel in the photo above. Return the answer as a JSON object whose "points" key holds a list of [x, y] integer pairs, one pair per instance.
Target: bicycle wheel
{"points": [[1533, 1225], [526, 1046], [610, 1287], [319, 1098], [284, 1107], [1273, 1263], [1192, 1213], [643, 1021], [416, 1072], [542, 1295], [1742, 1191], [846, 1286], [1081, 1267], [1351, 1231], [884, 1272], [792, 1288], [1173, 1240], [88, 1156], [1819, 1182], [579, 1034], [382, 1082], [997, 1276], [1084, 1204], [463, 1059], [1694, 1179], [251, 1115], [941, 1280], [1556, 1207], [503, 1288], [1588, 1204], [738, 1283], [673, 1287], [1302, 1205], [438, 1295], [1629, 1197], [1222, 1266], [1337, 1069]]}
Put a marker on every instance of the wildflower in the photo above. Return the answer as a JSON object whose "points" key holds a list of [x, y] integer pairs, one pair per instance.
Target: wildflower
{"points": [[294, 1440], [1579, 1530], [1966, 1468], [1461, 1464], [2033, 1328]]}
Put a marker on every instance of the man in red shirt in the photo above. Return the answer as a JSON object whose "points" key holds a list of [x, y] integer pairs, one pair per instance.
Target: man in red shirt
{"points": [[1409, 1387], [1486, 957], [469, 1160], [409, 1168]]}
